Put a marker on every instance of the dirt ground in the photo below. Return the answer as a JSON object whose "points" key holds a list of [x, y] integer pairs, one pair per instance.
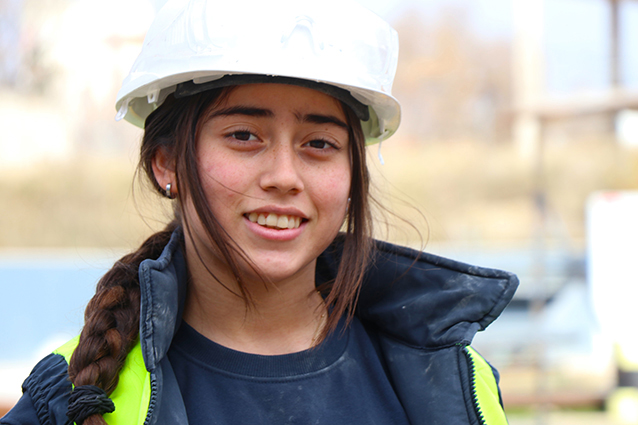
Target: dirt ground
{"points": [[562, 418]]}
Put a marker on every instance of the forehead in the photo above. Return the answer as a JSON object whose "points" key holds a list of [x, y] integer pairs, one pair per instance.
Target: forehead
{"points": [[281, 98]]}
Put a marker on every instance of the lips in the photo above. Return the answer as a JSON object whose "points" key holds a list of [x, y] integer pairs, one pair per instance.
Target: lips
{"points": [[275, 221]]}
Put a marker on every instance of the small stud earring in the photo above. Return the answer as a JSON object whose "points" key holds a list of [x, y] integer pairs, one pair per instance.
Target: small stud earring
{"points": [[168, 193]]}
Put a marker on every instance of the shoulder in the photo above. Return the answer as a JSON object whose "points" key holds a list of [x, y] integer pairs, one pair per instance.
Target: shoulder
{"points": [[453, 384], [422, 299], [45, 394]]}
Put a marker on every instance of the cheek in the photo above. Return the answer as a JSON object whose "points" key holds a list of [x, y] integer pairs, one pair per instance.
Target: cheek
{"points": [[221, 176], [335, 191]]}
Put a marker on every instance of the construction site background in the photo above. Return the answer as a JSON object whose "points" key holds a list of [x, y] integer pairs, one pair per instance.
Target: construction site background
{"points": [[455, 170]]}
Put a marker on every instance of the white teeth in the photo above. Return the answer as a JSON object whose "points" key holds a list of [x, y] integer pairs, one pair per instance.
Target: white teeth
{"points": [[271, 220], [282, 222], [274, 220]]}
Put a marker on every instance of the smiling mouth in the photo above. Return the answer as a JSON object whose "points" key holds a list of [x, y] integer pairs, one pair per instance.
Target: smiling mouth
{"points": [[275, 221]]}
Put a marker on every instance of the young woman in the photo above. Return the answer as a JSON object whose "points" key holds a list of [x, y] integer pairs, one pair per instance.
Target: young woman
{"points": [[265, 300]]}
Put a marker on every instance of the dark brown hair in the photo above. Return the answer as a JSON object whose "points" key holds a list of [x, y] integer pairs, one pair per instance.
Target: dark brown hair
{"points": [[112, 316]]}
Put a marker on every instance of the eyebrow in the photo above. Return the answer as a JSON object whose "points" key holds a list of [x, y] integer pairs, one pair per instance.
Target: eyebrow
{"points": [[243, 110], [262, 112], [322, 119]]}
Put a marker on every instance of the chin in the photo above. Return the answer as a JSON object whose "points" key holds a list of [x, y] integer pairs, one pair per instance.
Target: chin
{"points": [[282, 270]]}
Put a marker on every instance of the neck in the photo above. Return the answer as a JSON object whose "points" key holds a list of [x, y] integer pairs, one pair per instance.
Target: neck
{"points": [[279, 317]]}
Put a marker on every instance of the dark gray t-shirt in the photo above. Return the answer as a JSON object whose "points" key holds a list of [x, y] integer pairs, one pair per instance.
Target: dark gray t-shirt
{"points": [[340, 382]]}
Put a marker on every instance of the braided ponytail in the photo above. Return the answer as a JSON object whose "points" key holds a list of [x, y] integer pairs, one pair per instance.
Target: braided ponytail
{"points": [[111, 318], [112, 321]]}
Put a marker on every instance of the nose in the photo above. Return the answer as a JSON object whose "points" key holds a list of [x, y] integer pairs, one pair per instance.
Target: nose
{"points": [[282, 171]]}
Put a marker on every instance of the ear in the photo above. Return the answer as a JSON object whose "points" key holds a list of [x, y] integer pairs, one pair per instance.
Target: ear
{"points": [[164, 169]]}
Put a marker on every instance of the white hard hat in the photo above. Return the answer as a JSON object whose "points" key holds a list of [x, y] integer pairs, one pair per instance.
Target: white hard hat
{"points": [[328, 45]]}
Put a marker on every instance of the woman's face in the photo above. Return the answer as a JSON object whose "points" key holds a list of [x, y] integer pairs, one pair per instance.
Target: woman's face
{"points": [[275, 166]]}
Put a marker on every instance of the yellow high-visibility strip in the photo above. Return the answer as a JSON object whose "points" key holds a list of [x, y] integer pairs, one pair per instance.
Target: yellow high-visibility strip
{"points": [[486, 391], [133, 392]]}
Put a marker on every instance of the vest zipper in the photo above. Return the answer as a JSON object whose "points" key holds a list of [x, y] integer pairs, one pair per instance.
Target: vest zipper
{"points": [[475, 402], [152, 401]]}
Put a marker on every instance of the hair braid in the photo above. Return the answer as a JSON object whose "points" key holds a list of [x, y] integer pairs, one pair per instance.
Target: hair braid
{"points": [[111, 321]]}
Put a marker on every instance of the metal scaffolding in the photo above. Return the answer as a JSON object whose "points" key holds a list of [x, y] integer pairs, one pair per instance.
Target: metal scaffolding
{"points": [[532, 105]]}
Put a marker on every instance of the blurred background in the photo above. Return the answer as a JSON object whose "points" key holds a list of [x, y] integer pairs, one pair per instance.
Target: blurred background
{"points": [[518, 150]]}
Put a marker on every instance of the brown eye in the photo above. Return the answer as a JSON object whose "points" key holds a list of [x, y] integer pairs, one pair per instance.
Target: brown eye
{"points": [[243, 136], [319, 144]]}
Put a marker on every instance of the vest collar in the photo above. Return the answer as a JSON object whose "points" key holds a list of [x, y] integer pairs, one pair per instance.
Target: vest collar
{"points": [[420, 299], [163, 292]]}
